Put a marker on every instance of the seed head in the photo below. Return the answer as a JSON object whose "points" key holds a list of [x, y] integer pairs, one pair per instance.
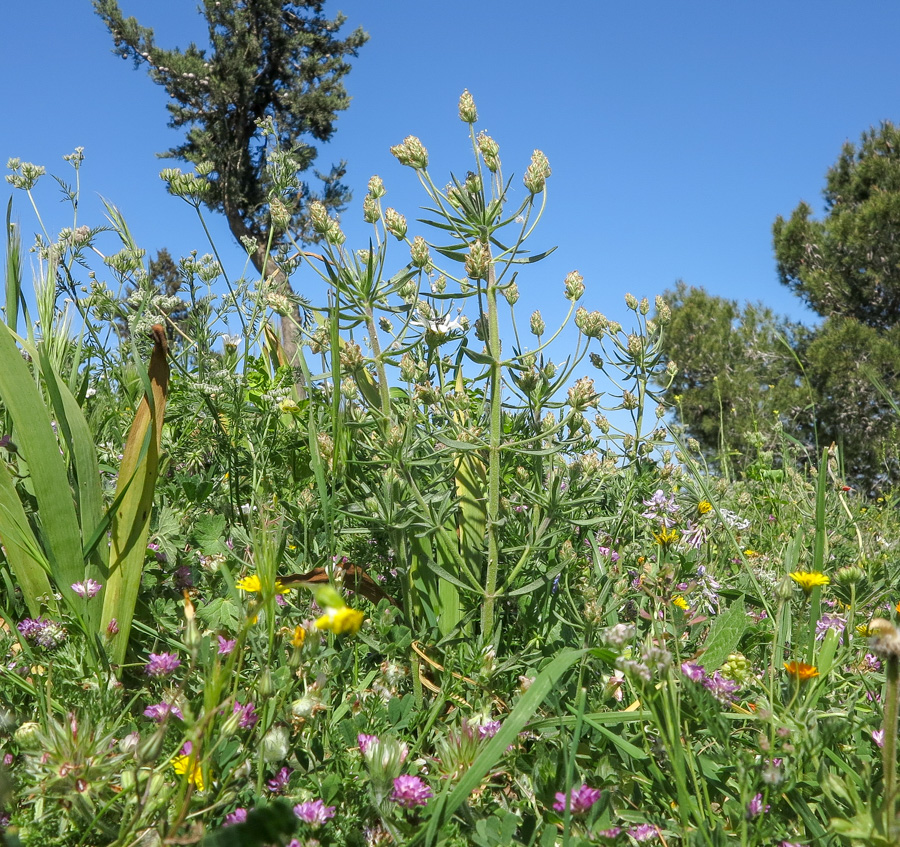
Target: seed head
{"points": [[467, 111]]}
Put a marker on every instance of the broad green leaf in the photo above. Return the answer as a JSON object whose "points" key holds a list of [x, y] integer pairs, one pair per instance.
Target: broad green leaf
{"points": [[46, 466], [724, 636], [131, 521], [28, 563]]}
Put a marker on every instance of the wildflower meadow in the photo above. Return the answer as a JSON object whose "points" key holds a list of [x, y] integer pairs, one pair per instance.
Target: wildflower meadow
{"points": [[447, 575]]}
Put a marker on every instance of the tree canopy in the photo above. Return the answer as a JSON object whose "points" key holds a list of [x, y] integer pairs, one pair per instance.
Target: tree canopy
{"points": [[271, 78], [744, 369]]}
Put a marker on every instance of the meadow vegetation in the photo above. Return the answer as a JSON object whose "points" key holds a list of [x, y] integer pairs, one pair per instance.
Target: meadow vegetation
{"points": [[422, 584]]}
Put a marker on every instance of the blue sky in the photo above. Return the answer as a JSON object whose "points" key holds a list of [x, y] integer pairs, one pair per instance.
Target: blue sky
{"points": [[676, 132]]}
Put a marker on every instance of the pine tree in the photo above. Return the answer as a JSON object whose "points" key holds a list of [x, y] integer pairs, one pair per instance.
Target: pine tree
{"points": [[267, 61]]}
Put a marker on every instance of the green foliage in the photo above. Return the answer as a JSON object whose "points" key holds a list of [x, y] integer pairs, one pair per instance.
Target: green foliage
{"points": [[268, 63], [530, 629], [848, 263], [739, 381]]}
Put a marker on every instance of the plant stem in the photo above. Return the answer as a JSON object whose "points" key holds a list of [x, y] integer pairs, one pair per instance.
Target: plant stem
{"points": [[493, 564]]}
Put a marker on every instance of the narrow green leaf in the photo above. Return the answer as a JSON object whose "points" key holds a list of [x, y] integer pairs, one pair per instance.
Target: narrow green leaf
{"points": [[452, 798]]}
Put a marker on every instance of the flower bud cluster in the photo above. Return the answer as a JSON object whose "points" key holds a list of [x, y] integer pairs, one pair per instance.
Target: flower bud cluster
{"points": [[537, 324], [574, 286], [511, 293], [325, 225], [411, 152], [582, 395], [395, 223], [351, 356], [478, 261], [592, 324], [663, 312], [537, 172], [467, 111], [419, 254], [126, 261], [279, 213], [490, 150], [191, 187], [24, 175]]}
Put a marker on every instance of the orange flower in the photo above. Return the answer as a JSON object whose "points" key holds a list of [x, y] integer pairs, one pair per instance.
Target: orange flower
{"points": [[801, 671]]}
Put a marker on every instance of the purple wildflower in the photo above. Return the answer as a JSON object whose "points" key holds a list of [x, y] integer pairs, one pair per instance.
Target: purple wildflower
{"points": [[580, 799], [226, 645], [410, 791], [237, 816], [158, 712], [878, 737], [660, 507], [694, 535], [612, 832], [644, 832], [826, 622], [248, 717], [693, 671], [183, 578], [870, 662], [721, 688], [45, 633], [609, 553], [314, 812], [161, 664], [755, 807], [278, 784], [31, 627], [489, 729], [365, 741], [153, 547], [112, 628], [89, 588]]}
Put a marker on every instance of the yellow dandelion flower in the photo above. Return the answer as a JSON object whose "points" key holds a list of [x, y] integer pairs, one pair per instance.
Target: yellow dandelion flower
{"points": [[864, 630], [808, 580], [751, 554], [704, 506], [252, 584], [680, 602], [343, 621], [801, 671], [666, 536], [298, 637], [187, 765]]}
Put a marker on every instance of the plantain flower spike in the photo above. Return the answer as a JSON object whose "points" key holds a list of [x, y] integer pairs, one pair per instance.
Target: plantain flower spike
{"points": [[467, 111]]}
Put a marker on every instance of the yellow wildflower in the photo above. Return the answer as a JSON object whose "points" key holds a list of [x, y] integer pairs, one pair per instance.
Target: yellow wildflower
{"points": [[666, 536], [341, 621], [704, 506], [680, 602], [187, 765], [251, 583], [751, 554], [808, 580], [864, 630], [801, 671], [298, 637]]}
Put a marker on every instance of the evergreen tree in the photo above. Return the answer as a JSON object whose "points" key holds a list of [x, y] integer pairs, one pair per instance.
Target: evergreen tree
{"points": [[268, 60], [846, 267], [738, 374], [848, 263]]}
